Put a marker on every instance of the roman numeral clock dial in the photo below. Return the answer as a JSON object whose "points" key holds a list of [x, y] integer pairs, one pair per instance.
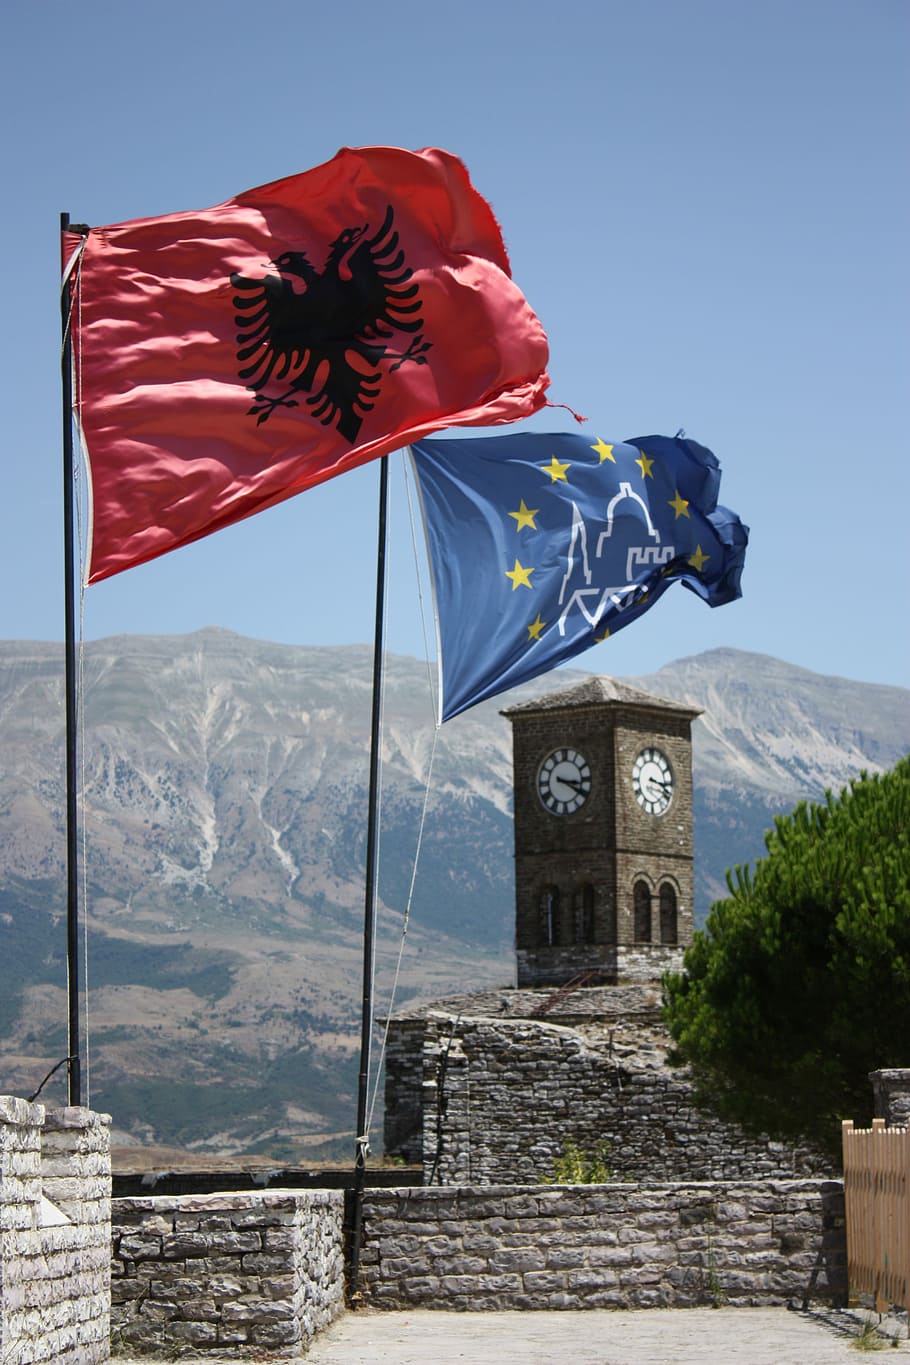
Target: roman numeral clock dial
{"points": [[564, 781]]}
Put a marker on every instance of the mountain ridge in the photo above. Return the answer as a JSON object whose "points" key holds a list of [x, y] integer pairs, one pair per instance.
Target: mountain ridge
{"points": [[225, 784]]}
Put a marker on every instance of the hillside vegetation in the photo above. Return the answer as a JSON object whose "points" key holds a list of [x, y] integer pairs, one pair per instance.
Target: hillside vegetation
{"points": [[224, 820]]}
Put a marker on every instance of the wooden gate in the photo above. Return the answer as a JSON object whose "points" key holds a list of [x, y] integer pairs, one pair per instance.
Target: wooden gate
{"points": [[877, 1197]]}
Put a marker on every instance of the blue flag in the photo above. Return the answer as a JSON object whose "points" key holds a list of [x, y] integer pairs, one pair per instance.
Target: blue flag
{"points": [[543, 544]]}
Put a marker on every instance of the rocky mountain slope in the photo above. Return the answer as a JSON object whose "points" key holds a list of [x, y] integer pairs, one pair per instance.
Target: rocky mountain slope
{"points": [[224, 822]]}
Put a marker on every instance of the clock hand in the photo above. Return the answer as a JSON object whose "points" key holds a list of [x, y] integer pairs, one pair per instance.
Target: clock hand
{"points": [[572, 782]]}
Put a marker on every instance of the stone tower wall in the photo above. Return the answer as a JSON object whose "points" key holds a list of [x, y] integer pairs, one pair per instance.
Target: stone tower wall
{"points": [[607, 845]]}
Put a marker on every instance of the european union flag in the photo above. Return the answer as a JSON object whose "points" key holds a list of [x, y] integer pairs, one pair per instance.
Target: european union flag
{"points": [[543, 544]]}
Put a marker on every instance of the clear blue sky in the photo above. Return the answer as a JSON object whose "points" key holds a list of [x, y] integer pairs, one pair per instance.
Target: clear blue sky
{"points": [[706, 202]]}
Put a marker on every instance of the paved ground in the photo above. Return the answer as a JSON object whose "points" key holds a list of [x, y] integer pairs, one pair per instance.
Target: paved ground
{"points": [[693, 1336]]}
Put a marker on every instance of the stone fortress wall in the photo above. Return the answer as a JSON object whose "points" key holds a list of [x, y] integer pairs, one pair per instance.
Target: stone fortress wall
{"points": [[634, 1244], [194, 1274], [682, 1245], [490, 1089]]}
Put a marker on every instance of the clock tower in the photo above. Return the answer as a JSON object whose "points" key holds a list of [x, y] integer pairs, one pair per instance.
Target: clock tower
{"points": [[603, 834]]}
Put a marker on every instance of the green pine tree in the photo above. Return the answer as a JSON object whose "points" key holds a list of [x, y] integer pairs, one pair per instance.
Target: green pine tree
{"points": [[799, 984]]}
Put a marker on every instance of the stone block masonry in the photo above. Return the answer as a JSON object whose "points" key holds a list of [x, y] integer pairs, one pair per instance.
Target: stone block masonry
{"points": [[491, 1099], [193, 1273], [891, 1091], [604, 1246], [264, 1271], [515, 1092], [54, 1234]]}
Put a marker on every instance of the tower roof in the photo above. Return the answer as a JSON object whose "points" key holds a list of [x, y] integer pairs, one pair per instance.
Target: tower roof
{"points": [[599, 690]]}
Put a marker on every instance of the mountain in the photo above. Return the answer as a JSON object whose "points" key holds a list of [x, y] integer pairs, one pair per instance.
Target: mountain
{"points": [[224, 825], [770, 735]]}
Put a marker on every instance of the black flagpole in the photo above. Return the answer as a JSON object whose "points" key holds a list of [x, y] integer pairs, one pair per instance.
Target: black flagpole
{"points": [[369, 916], [72, 885]]}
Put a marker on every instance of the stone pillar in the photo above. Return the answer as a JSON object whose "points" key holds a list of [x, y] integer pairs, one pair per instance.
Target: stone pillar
{"points": [[891, 1089], [20, 1204], [223, 1272], [76, 1178], [55, 1235]]}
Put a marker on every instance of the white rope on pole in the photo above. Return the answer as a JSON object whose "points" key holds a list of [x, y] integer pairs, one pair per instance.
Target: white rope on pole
{"points": [[420, 597], [423, 813], [404, 932]]}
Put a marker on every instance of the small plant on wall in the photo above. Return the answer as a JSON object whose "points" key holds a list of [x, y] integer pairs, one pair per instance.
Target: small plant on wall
{"points": [[576, 1167]]}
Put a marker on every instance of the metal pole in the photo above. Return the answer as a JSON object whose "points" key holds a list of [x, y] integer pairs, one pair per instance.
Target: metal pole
{"points": [[72, 884], [369, 917]]}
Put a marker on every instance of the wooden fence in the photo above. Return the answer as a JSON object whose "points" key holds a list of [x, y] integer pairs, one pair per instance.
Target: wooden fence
{"points": [[877, 1197]]}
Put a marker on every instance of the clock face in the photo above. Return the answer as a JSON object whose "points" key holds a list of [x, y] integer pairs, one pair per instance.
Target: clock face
{"points": [[564, 781], [652, 781]]}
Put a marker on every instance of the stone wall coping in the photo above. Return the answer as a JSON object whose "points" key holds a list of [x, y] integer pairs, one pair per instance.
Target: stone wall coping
{"points": [[628, 1001], [766, 1184], [74, 1116], [513, 1022], [21, 1112], [225, 1200]]}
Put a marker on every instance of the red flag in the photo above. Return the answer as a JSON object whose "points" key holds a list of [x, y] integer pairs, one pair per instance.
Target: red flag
{"points": [[228, 359]]}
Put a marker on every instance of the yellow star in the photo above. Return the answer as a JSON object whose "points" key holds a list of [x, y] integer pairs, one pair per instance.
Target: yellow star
{"points": [[520, 577], [535, 629], [604, 451], [645, 465], [680, 506], [556, 470], [698, 560], [525, 516], [599, 639]]}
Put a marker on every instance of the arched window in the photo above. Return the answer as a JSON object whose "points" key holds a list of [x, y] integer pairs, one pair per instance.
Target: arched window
{"points": [[583, 907], [668, 929], [549, 916], [641, 900]]}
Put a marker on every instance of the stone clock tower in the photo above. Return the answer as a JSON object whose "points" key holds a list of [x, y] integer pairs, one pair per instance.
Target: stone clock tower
{"points": [[603, 834]]}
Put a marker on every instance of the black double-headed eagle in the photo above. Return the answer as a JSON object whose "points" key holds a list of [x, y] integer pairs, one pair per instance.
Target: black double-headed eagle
{"points": [[325, 333]]}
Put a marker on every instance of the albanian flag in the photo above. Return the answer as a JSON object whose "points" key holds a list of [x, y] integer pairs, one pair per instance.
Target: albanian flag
{"points": [[230, 358]]}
